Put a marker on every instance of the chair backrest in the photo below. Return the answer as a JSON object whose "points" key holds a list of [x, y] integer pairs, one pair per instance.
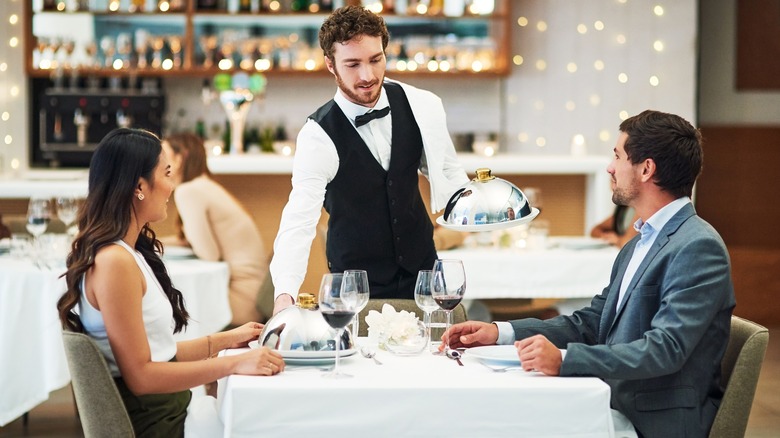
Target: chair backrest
{"points": [[101, 409], [740, 368], [458, 314]]}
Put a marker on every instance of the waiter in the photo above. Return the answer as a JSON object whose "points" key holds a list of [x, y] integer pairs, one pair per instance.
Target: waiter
{"points": [[358, 155]]}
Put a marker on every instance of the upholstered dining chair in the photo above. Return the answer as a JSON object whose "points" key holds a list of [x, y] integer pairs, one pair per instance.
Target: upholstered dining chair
{"points": [[100, 406], [458, 314], [740, 368]]}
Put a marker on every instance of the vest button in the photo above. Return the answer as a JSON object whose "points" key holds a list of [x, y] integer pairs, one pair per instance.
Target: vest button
{"points": [[392, 202], [395, 220], [397, 238], [390, 182], [400, 258]]}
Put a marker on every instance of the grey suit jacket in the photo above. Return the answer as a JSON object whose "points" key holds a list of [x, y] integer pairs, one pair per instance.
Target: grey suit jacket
{"points": [[660, 351]]}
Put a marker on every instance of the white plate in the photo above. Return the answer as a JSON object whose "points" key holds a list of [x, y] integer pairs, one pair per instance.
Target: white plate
{"points": [[489, 227], [309, 356], [578, 242], [495, 354], [5, 245], [178, 252]]}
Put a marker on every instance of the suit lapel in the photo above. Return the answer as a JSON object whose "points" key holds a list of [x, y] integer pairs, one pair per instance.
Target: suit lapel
{"points": [[661, 240]]}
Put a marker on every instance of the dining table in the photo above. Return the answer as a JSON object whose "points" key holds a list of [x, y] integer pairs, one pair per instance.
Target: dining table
{"points": [[32, 355], [421, 395]]}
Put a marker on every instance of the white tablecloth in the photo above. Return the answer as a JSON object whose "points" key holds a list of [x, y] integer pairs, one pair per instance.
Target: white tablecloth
{"points": [[32, 356], [418, 396], [526, 273]]}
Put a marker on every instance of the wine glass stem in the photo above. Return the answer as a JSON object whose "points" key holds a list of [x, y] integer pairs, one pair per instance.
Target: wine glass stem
{"points": [[447, 345], [355, 327], [338, 341], [427, 324]]}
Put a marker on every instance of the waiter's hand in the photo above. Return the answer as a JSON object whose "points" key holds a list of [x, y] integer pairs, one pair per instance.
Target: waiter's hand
{"points": [[282, 302]]}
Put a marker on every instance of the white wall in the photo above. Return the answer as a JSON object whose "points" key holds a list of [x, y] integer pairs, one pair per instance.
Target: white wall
{"points": [[719, 101]]}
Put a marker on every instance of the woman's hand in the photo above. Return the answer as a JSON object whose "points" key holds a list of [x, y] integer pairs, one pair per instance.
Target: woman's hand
{"points": [[261, 361], [242, 335]]}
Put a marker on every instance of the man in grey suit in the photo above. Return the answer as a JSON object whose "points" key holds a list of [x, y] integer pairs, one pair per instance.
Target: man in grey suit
{"points": [[657, 333]]}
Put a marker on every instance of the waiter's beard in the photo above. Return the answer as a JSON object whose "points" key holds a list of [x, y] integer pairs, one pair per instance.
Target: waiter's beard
{"points": [[355, 96]]}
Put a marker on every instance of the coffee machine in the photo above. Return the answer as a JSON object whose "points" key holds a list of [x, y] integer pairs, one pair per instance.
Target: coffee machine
{"points": [[71, 121]]}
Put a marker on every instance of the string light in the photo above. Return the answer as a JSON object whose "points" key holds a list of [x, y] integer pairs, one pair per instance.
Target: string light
{"points": [[517, 60], [541, 26], [541, 65], [522, 22]]}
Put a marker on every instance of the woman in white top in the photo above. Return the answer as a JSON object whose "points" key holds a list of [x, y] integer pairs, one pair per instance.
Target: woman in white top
{"points": [[125, 298], [217, 226]]}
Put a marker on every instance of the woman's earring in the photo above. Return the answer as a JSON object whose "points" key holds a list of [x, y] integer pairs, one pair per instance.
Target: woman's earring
{"points": [[140, 196]]}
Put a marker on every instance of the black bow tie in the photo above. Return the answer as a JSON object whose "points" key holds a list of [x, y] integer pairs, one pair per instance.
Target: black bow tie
{"points": [[371, 115]]}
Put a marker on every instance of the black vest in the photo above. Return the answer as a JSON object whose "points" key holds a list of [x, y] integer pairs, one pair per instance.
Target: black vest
{"points": [[378, 221]]}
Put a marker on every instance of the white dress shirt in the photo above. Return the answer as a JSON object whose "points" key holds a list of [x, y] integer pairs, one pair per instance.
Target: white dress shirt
{"points": [[316, 163], [648, 233]]}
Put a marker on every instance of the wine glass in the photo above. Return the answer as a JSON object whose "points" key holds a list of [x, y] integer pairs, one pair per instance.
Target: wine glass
{"points": [[38, 215], [67, 207], [447, 288], [338, 309], [356, 281], [424, 299]]}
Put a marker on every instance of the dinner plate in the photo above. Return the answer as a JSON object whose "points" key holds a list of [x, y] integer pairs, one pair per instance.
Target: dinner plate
{"points": [[578, 242], [313, 357], [5, 245], [489, 227], [178, 252], [495, 354]]}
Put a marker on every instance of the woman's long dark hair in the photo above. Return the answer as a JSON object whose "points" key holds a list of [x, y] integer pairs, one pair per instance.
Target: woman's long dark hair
{"points": [[120, 160]]}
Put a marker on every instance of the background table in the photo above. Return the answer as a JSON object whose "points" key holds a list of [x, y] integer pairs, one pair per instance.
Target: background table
{"points": [[32, 356], [423, 396], [526, 273]]}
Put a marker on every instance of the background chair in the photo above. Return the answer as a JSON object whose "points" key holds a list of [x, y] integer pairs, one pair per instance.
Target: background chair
{"points": [[458, 314], [740, 368], [100, 406]]}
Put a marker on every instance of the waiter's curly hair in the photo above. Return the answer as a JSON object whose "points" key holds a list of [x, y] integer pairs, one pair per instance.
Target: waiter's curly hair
{"points": [[348, 22]]}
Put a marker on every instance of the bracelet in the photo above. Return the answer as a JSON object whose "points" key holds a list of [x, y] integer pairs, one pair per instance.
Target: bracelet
{"points": [[208, 339]]}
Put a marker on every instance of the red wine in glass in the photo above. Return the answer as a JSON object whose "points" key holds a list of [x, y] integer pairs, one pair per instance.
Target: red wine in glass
{"points": [[448, 302], [338, 319]]}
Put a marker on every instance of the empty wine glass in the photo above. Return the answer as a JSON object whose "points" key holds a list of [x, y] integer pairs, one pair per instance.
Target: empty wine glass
{"points": [[38, 216], [338, 310], [356, 281], [67, 207], [447, 288], [424, 299]]}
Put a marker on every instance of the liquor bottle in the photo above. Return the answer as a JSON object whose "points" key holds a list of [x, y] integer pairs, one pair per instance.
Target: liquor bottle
{"points": [[244, 6]]}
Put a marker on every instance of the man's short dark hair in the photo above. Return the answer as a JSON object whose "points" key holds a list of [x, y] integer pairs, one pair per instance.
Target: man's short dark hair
{"points": [[672, 143], [348, 22]]}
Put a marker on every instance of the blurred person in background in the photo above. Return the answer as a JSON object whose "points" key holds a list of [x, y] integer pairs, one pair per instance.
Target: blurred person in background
{"points": [[216, 226], [619, 228], [119, 294]]}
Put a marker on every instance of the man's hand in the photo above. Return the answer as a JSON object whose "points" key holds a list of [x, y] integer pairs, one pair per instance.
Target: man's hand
{"points": [[282, 302], [470, 334], [537, 353]]}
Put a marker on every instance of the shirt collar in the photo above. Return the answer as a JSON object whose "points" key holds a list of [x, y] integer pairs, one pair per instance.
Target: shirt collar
{"points": [[352, 110], [661, 217]]}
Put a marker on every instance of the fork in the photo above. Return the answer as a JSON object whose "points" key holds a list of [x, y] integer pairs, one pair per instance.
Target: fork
{"points": [[502, 369]]}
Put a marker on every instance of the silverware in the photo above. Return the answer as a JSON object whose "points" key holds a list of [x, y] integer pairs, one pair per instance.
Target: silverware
{"points": [[455, 355], [369, 354], [502, 369]]}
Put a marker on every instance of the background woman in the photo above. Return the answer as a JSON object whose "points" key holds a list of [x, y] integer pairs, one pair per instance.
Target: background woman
{"points": [[216, 226], [617, 229], [126, 301]]}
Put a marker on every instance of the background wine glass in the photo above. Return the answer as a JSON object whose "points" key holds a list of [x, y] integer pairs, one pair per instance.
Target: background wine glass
{"points": [[338, 310], [67, 207], [447, 287], [424, 299], [38, 216], [356, 281]]}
